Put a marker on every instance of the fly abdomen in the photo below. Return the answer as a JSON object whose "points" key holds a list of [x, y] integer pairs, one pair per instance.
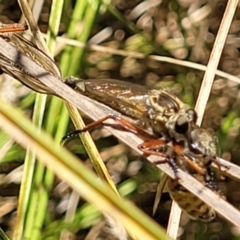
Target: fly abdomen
{"points": [[195, 208]]}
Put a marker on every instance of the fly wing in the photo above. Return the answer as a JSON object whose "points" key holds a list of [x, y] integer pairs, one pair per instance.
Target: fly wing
{"points": [[129, 99], [160, 189]]}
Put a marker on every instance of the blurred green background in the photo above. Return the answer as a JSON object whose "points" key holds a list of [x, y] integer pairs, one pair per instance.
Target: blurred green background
{"points": [[183, 30]]}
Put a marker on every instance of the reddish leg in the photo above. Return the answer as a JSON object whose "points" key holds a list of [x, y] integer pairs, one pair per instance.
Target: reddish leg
{"points": [[179, 150], [12, 28], [122, 122], [152, 147], [194, 165]]}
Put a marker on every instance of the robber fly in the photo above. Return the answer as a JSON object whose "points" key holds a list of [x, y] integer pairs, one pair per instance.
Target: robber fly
{"points": [[165, 114], [176, 136]]}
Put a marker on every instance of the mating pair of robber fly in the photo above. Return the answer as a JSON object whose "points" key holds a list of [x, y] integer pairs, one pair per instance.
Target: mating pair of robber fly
{"points": [[176, 137]]}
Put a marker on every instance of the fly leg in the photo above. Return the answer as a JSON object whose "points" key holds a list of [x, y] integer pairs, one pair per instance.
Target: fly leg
{"points": [[194, 165], [12, 28], [122, 122], [220, 165], [180, 151], [156, 147]]}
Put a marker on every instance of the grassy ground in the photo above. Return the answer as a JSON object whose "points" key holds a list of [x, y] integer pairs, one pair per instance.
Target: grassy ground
{"points": [[140, 29]]}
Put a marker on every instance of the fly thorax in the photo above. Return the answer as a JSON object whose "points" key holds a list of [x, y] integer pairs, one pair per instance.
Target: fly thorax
{"points": [[163, 103], [157, 117], [168, 113]]}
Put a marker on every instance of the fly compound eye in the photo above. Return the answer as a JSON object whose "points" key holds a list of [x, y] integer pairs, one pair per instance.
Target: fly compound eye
{"points": [[181, 125]]}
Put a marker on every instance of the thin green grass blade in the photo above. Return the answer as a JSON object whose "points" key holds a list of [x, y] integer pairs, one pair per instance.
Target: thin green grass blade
{"points": [[67, 167]]}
